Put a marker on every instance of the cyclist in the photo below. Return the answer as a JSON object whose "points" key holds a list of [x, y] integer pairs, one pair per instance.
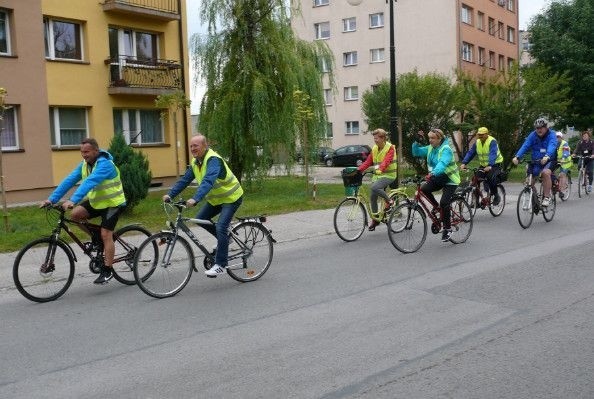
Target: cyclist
{"points": [[585, 148], [443, 174], [543, 143], [563, 158], [219, 187], [383, 160], [102, 186], [490, 160]]}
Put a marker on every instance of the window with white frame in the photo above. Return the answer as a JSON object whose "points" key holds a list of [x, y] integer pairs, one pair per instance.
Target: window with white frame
{"points": [[467, 50], [4, 32], [9, 137], [63, 40], [352, 127], [501, 63], [351, 93], [466, 14], [511, 6], [139, 126], [349, 58], [322, 30], [376, 20], [377, 55], [511, 34], [134, 45], [510, 63], [491, 26], [480, 21], [319, 3], [328, 96], [329, 131], [349, 24], [68, 126], [501, 30], [324, 65], [491, 60], [481, 56]]}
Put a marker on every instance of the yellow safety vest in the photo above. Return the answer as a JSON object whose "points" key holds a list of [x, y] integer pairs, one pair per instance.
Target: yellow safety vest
{"points": [[451, 169], [378, 158], [564, 162], [107, 194], [223, 191], [482, 150]]}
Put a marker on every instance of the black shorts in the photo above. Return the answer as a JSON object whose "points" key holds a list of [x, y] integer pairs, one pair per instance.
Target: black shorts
{"points": [[109, 216]]}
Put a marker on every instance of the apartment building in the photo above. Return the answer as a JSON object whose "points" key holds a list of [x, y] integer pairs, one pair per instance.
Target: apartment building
{"points": [[478, 36], [76, 69]]}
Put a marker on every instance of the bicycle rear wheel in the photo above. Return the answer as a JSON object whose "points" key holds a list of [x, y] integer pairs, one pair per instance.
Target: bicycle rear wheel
{"points": [[126, 241], [407, 227], [168, 272], [472, 199], [461, 220], [524, 208], [251, 257], [350, 219], [548, 213], [581, 183], [43, 270], [497, 210]]}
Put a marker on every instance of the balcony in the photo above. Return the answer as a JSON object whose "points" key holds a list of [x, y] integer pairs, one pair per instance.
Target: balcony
{"points": [[152, 77], [164, 10]]}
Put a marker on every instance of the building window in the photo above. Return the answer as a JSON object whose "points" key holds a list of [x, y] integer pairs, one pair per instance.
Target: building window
{"points": [[352, 127], [328, 96], [351, 93], [511, 5], [501, 63], [374, 88], [139, 126], [322, 30], [491, 60], [466, 14], [349, 24], [481, 56], [511, 34], [329, 131], [376, 20], [63, 40], [377, 55], [480, 21], [318, 3], [491, 26], [500, 30], [4, 33], [349, 59], [9, 139], [133, 45], [68, 126], [510, 63], [324, 65], [467, 50]]}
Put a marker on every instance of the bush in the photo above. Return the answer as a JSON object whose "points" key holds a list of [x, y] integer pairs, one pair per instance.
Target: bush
{"points": [[134, 170]]}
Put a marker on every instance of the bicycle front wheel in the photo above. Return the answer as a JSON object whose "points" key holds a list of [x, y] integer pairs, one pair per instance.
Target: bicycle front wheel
{"points": [[407, 227], [126, 241], [497, 210], [168, 272], [548, 213], [350, 219], [250, 251], [581, 188], [43, 270], [471, 197], [461, 221], [524, 208]]}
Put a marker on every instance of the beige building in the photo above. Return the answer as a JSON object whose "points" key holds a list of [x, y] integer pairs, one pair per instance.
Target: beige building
{"points": [[76, 69], [430, 36]]}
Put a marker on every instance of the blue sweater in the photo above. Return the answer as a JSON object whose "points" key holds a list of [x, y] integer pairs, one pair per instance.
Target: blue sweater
{"points": [[214, 170], [547, 145], [437, 165]]}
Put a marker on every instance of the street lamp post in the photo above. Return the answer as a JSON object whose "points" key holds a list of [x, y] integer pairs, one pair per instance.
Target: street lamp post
{"points": [[393, 104]]}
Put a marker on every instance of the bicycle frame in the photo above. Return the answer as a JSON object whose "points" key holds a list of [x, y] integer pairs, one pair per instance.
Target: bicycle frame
{"points": [[364, 198], [421, 198]]}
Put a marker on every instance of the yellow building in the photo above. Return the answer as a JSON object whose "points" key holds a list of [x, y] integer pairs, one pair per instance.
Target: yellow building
{"points": [[80, 68]]}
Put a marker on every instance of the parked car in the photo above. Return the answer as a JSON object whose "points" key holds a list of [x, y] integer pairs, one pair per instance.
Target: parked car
{"points": [[318, 156], [349, 155]]}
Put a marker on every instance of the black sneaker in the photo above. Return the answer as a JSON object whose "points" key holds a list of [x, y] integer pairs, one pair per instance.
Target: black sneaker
{"points": [[105, 276], [496, 200], [446, 235]]}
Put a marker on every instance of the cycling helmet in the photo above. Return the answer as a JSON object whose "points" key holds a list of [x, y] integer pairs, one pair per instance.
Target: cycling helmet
{"points": [[540, 122]]}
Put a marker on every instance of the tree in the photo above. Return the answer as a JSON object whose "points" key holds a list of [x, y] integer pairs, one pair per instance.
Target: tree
{"points": [[424, 101], [251, 63], [174, 103], [134, 170], [563, 40]]}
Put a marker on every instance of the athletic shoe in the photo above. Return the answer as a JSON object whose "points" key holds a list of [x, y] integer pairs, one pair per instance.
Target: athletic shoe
{"points": [[496, 200], [446, 234], [104, 276], [546, 201], [214, 271]]}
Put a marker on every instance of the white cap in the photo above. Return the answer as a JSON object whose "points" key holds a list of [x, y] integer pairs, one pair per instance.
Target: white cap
{"points": [[559, 134]]}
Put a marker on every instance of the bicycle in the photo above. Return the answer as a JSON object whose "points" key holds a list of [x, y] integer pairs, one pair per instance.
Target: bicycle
{"points": [[582, 180], [565, 193], [529, 202], [407, 223], [477, 198], [350, 215], [44, 268], [169, 270]]}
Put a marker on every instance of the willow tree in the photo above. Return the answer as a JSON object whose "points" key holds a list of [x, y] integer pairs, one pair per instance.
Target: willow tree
{"points": [[251, 63]]}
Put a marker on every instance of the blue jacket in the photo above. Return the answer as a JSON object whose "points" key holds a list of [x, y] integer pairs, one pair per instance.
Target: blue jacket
{"points": [[437, 165], [103, 169], [214, 169], [539, 146]]}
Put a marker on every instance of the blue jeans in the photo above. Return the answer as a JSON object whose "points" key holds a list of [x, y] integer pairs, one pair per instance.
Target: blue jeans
{"points": [[221, 227]]}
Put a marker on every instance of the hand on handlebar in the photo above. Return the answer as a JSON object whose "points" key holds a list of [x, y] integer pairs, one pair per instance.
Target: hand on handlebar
{"points": [[67, 205], [191, 202], [462, 167], [515, 160], [45, 204]]}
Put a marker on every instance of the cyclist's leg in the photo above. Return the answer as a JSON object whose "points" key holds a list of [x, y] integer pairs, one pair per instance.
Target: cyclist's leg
{"points": [[492, 181], [226, 212], [547, 183], [428, 187], [109, 220], [445, 203], [589, 168], [378, 189], [83, 212]]}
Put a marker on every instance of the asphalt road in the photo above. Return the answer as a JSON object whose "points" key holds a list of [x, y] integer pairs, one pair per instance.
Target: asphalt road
{"points": [[509, 314]]}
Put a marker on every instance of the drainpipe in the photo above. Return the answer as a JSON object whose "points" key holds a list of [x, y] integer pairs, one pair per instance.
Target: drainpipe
{"points": [[183, 79]]}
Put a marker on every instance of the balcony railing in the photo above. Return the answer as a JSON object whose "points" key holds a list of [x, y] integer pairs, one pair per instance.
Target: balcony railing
{"points": [[167, 10], [128, 75]]}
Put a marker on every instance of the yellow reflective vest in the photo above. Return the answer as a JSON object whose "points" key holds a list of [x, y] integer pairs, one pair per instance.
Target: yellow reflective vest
{"points": [[107, 194], [564, 162], [378, 158], [223, 191], [482, 151]]}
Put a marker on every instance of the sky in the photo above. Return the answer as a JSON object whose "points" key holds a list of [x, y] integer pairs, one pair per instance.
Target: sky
{"points": [[527, 8]]}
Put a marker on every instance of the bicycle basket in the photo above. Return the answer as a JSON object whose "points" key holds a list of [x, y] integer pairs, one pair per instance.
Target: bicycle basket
{"points": [[503, 176], [351, 177]]}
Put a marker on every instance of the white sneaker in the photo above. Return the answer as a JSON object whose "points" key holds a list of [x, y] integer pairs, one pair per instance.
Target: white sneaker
{"points": [[589, 188], [546, 201], [214, 271]]}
